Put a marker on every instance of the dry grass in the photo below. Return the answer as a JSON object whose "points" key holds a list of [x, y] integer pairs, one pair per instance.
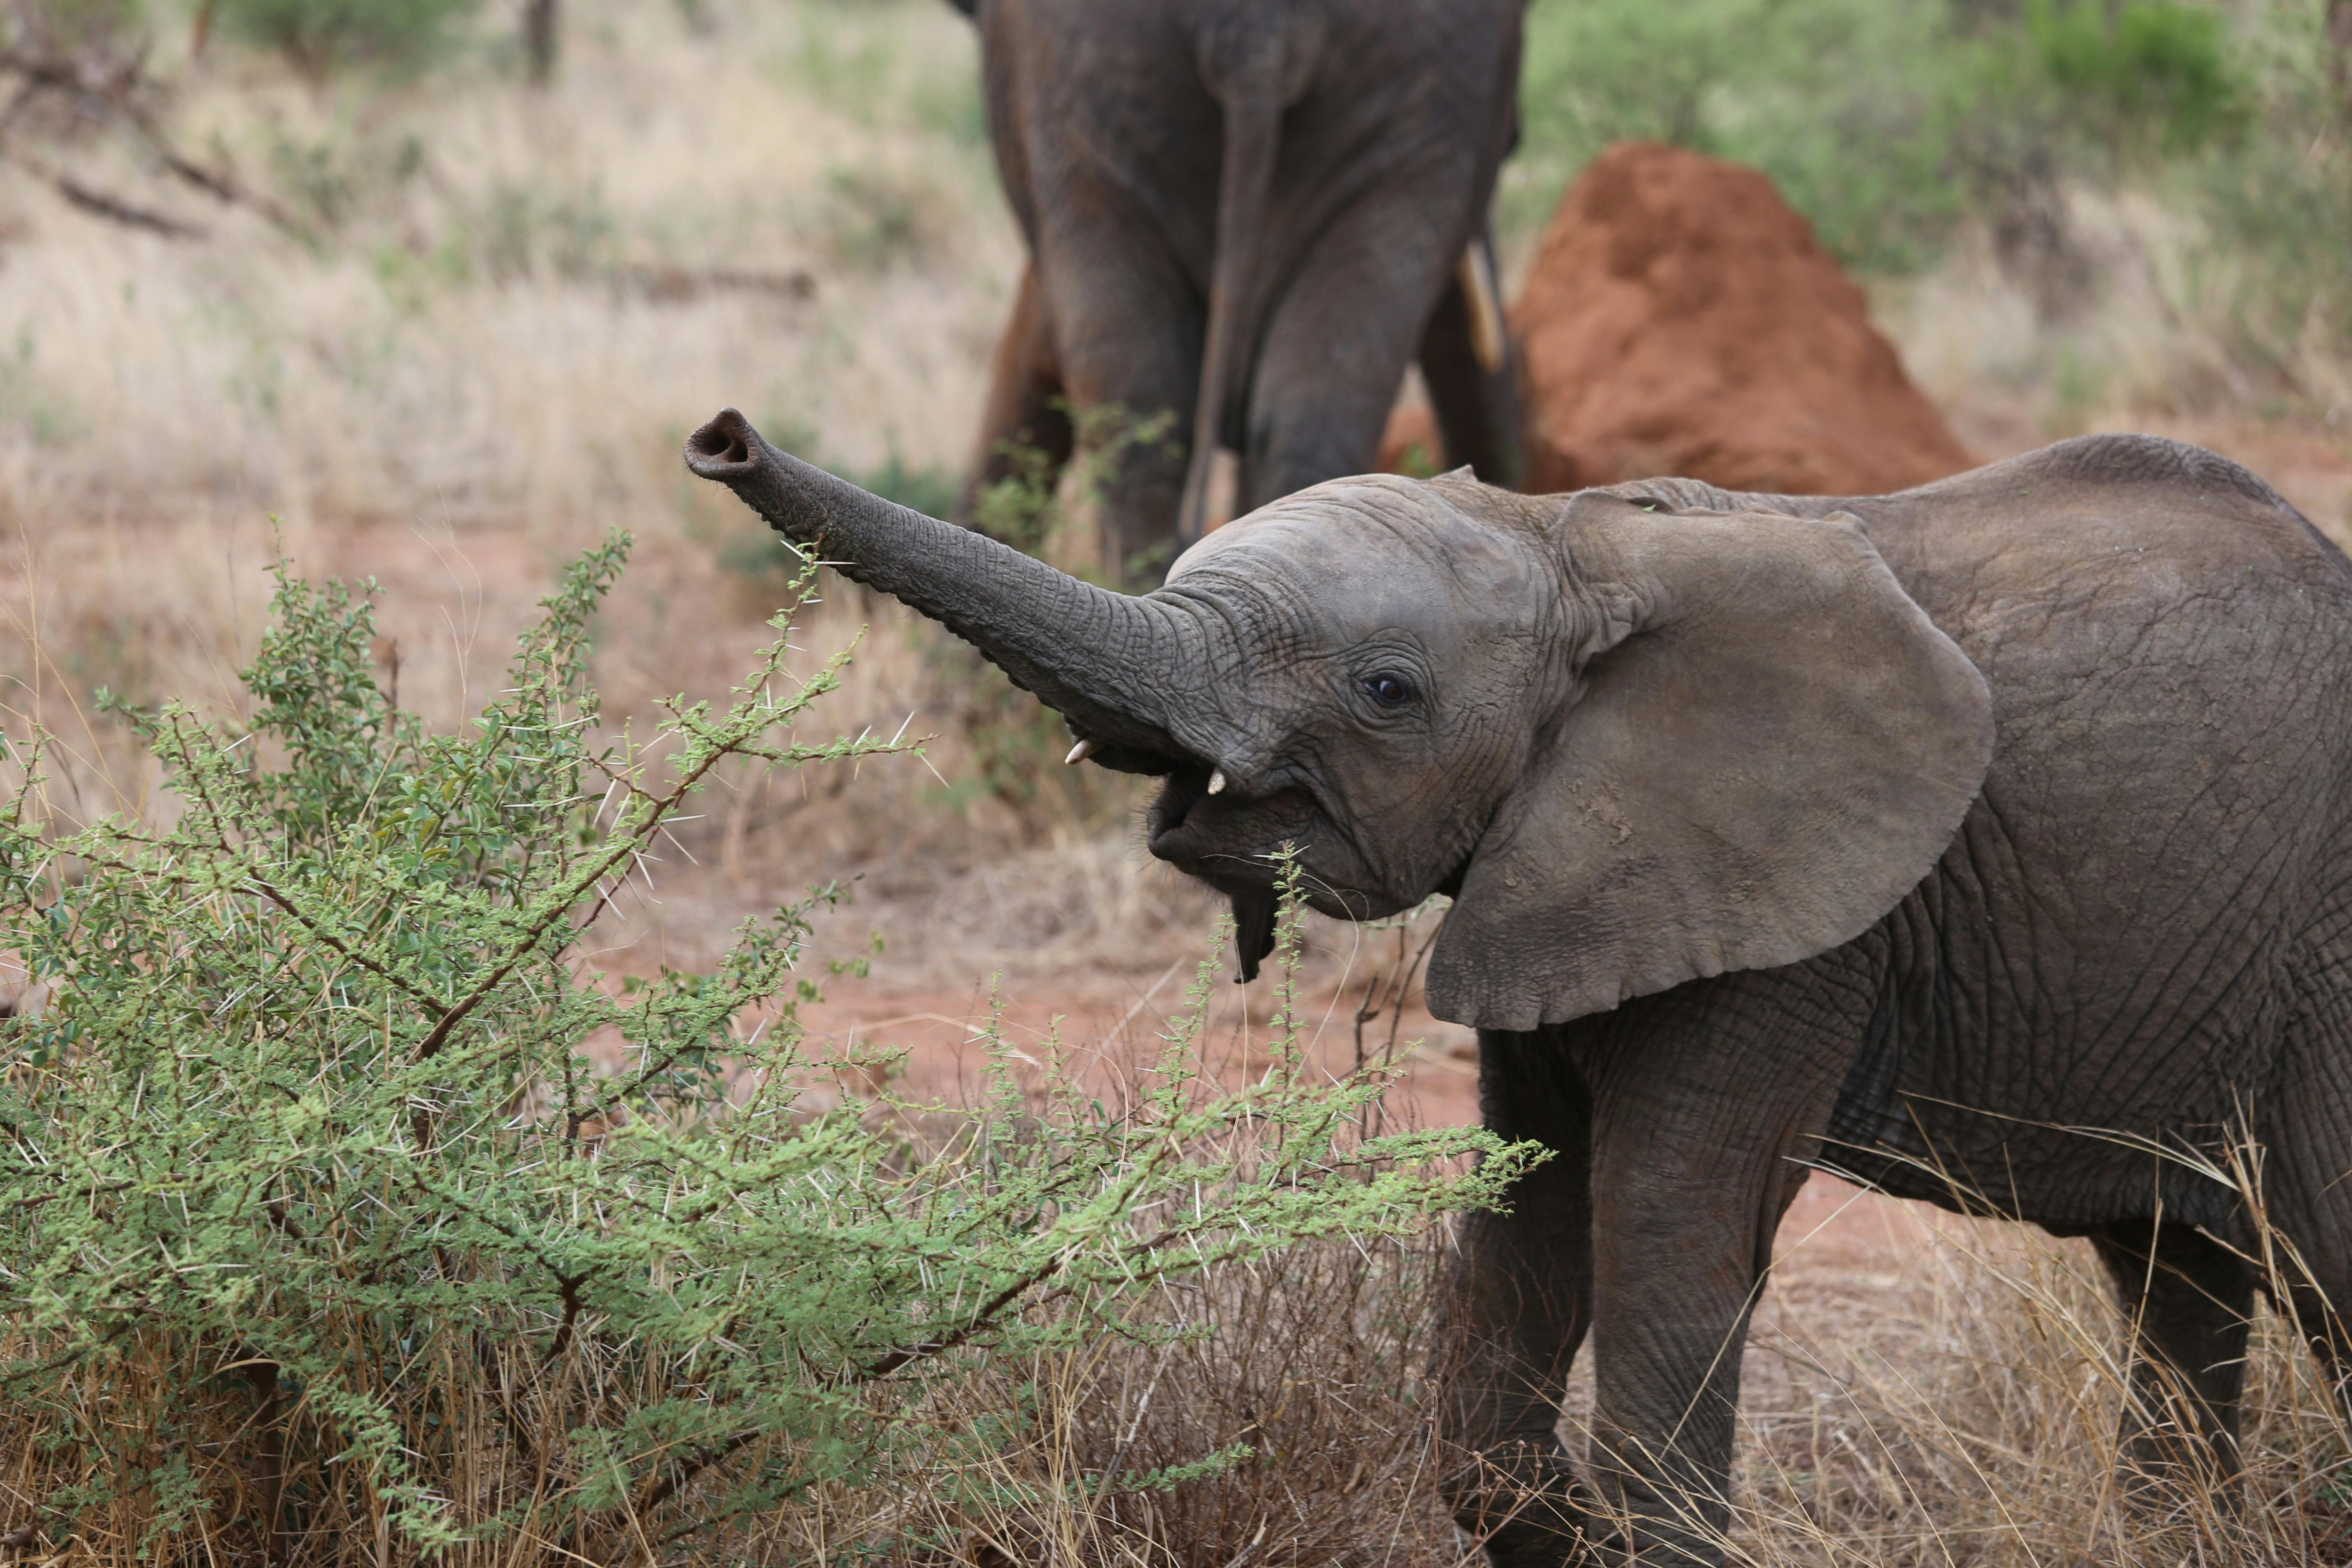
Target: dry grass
{"points": [[491, 359], [1950, 1395], [1959, 1400], [2150, 341], [526, 299]]}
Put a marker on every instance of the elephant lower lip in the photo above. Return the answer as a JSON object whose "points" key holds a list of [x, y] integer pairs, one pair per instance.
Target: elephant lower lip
{"points": [[1208, 849], [1183, 845]]}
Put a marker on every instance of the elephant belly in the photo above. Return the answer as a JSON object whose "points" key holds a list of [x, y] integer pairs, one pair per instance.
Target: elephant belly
{"points": [[2053, 1030]]}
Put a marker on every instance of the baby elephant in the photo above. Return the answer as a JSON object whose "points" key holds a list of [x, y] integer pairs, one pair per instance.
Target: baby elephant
{"points": [[1994, 838]]}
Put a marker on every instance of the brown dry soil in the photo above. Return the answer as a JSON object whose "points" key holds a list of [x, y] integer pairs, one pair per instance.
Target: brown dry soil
{"points": [[1834, 1233]]}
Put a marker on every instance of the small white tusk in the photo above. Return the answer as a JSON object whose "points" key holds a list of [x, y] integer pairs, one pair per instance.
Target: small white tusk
{"points": [[1489, 334], [1078, 753], [1216, 781]]}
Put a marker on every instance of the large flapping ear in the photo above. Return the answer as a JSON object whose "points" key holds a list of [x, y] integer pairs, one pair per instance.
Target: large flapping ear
{"points": [[1772, 747]]}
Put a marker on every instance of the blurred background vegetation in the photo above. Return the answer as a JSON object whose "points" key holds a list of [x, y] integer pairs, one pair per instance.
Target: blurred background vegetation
{"points": [[1904, 128], [1898, 127]]}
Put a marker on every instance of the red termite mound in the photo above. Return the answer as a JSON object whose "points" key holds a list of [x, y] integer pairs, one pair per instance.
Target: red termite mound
{"points": [[1681, 318]]}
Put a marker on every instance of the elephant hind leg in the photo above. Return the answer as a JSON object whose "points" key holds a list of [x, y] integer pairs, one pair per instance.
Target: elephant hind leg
{"points": [[1024, 429], [2309, 1175], [2323, 1318], [2189, 1300], [1477, 402]]}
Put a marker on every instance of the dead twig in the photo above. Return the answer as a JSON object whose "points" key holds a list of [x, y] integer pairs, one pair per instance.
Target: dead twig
{"points": [[112, 91], [98, 203]]}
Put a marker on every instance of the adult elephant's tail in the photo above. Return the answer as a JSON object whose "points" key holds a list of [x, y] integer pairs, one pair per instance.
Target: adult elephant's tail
{"points": [[1251, 93]]}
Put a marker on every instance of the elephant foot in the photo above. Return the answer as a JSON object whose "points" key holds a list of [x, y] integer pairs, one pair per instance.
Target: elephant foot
{"points": [[1528, 1510]]}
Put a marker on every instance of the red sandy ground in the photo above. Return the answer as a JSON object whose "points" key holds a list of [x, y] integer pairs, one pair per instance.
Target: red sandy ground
{"points": [[1833, 1229]]}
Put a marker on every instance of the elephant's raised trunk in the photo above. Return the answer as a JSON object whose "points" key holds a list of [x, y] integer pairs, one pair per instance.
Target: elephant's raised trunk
{"points": [[1107, 662]]}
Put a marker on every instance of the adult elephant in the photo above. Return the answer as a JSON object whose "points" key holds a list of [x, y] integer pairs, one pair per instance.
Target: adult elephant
{"points": [[1246, 215], [1992, 837]]}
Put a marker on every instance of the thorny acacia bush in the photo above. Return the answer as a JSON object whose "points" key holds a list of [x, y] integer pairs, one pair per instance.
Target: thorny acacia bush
{"points": [[322, 1238]]}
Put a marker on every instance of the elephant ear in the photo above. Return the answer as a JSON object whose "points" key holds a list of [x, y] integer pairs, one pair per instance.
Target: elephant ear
{"points": [[1770, 747]]}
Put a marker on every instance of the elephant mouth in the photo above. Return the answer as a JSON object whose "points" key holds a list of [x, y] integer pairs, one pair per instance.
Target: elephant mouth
{"points": [[1181, 787], [1229, 840], [1233, 842]]}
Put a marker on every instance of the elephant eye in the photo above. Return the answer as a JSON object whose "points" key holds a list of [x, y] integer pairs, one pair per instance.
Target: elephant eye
{"points": [[1389, 691]]}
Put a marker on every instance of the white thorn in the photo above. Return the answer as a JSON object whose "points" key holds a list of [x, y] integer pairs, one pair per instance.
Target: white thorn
{"points": [[1078, 753], [1216, 781]]}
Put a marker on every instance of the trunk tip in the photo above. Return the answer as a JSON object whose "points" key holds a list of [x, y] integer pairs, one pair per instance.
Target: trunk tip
{"points": [[723, 446]]}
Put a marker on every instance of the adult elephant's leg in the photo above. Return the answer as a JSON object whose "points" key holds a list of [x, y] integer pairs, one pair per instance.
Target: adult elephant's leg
{"points": [[1127, 326], [1705, 1100], [1476, 404], [1337, 343], [1520, 1300], [1024, 430], [2189, 1299]]}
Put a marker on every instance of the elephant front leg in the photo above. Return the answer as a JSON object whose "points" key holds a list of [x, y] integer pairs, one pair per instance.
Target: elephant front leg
{"points": [[1699, 1125], [1518, 1307]]}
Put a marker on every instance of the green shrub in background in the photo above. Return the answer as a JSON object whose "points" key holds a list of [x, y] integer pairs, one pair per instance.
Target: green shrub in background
{"points": [[348, 1213], [2145, 72], [321, 36], [2278, 199], [1884, 122]]}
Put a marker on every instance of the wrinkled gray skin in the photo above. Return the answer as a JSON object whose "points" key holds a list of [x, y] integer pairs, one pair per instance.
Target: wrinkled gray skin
{"points": [[1920, 835], [1249, 215]]}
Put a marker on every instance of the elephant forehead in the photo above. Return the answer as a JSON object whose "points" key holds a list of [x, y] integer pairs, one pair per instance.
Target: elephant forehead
{"points": [[1362, 554]]}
